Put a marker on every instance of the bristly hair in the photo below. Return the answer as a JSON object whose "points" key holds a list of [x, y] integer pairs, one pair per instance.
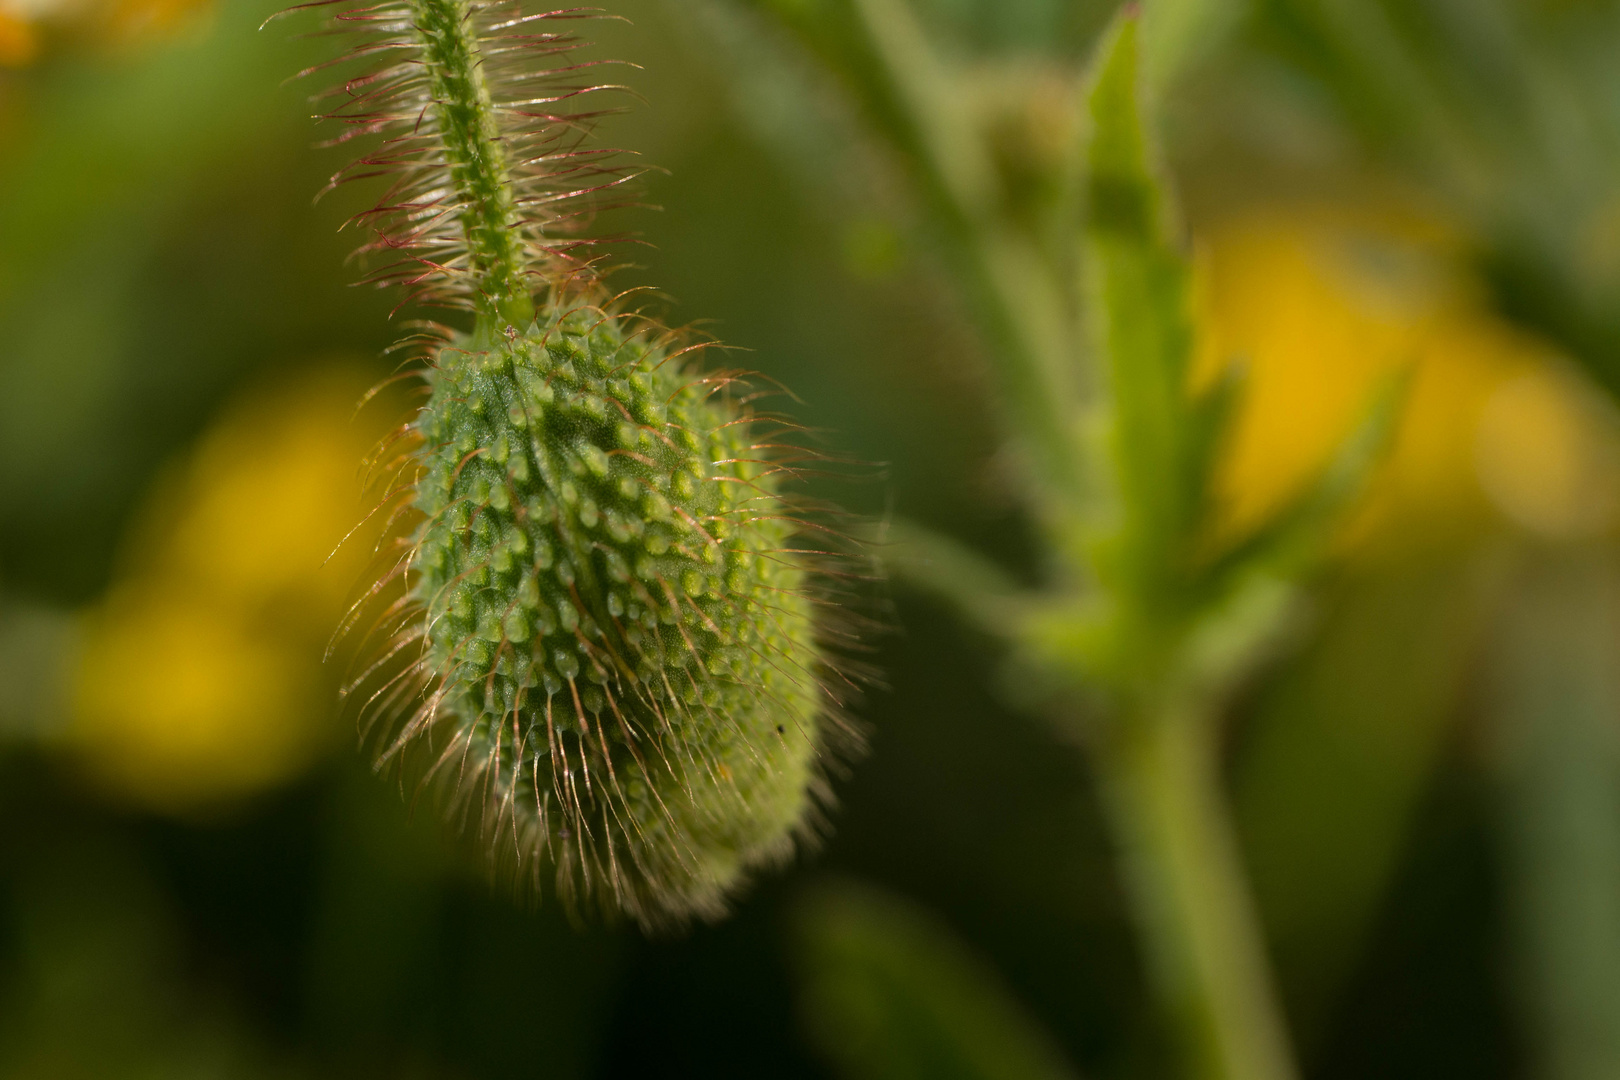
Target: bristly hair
{"points": [[541, 107]]}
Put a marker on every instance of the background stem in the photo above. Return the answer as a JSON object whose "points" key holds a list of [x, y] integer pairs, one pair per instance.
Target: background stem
{"points": [[1185, 879], [1554, 696]]}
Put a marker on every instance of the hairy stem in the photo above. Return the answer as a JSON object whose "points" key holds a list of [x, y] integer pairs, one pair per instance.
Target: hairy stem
{"points": [[476, 160], [1185, 878]]}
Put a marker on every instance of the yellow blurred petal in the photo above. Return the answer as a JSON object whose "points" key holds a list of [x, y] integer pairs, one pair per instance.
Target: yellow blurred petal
{"points": [[1311, 310], [126, 21], [1547, 456], [1321, 307], [202, 676], [260, 512], [1461, 359], [178, 705], [19, 44]]}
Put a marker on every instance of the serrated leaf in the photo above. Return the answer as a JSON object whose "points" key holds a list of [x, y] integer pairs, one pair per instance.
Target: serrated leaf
{"points": [[1214, 410], [1140, 286]]}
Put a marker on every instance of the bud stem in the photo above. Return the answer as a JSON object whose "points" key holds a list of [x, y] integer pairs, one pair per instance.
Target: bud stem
{"points": [[1184, 871], [476, 160]]}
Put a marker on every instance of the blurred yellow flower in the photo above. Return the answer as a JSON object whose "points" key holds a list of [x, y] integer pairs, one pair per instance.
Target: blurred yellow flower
{"points": [[1322, 307], [201, 678], [104, 22], [1548, 454], [181, 700], [135, 20], [19, 44]]}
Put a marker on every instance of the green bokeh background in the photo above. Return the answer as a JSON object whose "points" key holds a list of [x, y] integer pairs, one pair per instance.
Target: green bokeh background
{"points": [[159, 255]]}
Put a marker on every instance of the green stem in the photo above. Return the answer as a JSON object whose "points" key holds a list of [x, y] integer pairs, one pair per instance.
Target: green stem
{"points": [[1185, 879], [1019, 306], [476, 160]]}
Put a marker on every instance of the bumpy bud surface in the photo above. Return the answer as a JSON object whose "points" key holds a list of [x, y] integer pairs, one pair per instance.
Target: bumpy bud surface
{"points": [[610, 625], [620, 642]]}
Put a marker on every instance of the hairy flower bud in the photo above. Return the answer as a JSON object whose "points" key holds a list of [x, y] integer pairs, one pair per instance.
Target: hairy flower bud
{"points": [[621, 644], [611, 632]]}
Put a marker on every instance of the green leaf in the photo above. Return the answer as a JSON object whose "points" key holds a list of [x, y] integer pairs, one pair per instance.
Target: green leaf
{"points": [[1297, 536], [1140, 303], [889, 993]]}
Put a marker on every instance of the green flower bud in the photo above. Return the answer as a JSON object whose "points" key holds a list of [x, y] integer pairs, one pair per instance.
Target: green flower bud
{"points": [[615, 633], [653, 732]]}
